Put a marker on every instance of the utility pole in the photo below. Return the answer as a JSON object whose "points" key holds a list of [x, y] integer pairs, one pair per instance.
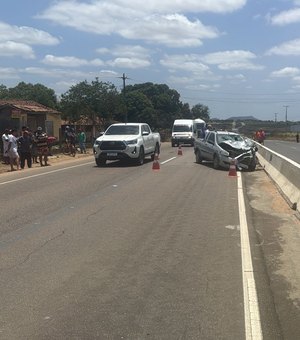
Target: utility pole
{"points": [[286, 120], [124, 95]]}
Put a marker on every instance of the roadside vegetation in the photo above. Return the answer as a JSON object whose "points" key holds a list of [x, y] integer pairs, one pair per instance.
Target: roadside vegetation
{"points": [[102, 104]]}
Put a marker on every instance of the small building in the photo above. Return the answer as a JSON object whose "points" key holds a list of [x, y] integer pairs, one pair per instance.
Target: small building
{"points": [[18, 113]]}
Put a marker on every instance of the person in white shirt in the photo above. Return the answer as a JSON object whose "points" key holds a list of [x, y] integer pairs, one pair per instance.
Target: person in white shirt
{"points": [[12, 150], [5, 140]]}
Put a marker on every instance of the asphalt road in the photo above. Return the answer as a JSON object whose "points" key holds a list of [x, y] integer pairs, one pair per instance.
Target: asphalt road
{"points": [[290, 150], [125, 252]]}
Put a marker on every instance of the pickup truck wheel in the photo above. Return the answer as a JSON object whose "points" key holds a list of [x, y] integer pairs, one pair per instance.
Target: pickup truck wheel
{"points": [[216, 162], [100, 161], [198, 157], [140, 160]]}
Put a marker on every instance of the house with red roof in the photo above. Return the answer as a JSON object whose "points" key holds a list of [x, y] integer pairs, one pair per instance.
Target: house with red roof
{"points": [[18, 113]]}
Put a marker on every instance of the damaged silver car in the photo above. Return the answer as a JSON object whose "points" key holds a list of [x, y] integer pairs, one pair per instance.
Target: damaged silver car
{"points": [[221, 147]]}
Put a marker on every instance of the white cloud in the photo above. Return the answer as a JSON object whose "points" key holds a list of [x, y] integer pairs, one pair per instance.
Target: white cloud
{"points": [[8, 73], [291, 47], [68, 61], [25, 35], [171, 30], [289, 72], [132, 51], [133, 63], [189, 63], [237, 78], [192, 6], [108, 73], [11, 49], [63, 61], [96, 62], [54, 73], [297, 79], [198, 64], [232, 60], [286, 17], [159, 22], [128, 56]]}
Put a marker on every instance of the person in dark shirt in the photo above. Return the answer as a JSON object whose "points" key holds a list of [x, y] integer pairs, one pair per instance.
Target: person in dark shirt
{"points": [[41, 142], [25, 144]]}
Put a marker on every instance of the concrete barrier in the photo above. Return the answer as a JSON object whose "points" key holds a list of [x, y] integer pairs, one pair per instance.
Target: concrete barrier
{"points": [[284, 172]]}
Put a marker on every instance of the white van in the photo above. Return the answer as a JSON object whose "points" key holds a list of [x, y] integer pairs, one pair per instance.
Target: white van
{"points": [[200, 127], [183, 132]]}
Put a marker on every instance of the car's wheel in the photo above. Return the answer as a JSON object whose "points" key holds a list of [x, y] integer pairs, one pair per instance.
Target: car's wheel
{"points": [[252, 165], [100, 161], [198, 157], [173, 144], [140, 160], [216, 162]]}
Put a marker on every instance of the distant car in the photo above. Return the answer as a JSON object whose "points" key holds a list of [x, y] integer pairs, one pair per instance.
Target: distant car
{"points": [[221, 147]]}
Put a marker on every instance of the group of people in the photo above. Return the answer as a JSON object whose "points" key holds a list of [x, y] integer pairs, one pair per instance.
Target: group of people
{"points": [[71, 138], [35, 147], [28, 147]]}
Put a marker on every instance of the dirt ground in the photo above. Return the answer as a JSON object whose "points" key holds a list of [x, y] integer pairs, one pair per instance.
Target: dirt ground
{"points": [[56, 158]]}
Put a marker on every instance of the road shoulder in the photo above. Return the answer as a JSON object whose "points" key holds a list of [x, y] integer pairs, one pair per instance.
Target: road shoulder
{"points": [[277, 231]]}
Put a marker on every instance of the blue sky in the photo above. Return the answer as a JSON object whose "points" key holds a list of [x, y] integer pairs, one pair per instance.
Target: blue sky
{"points": [[238, 57]]}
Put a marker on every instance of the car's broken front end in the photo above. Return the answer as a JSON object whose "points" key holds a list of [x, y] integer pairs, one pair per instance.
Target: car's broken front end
{"points": [[244, 154]]}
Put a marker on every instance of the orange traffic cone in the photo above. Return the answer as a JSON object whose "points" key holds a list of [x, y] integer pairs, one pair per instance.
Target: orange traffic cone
{"points": [[232, 168], [179, 151], [155, 165]]}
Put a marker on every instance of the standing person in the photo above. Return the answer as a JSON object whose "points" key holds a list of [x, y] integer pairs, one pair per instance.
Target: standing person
{"points": [[260, 136], [5, 140], [41, 141], [82, 140], [71, 140], [12, 150], [297, 137], [25, 144], [34, 152]]}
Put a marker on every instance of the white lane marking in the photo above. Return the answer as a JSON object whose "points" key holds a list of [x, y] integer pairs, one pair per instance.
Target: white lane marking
{"points": [[168, 160], [45, 173], [251, 310]]}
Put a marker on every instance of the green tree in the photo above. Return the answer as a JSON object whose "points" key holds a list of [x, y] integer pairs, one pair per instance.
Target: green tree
{"points": [[200, 111], [3, 92], [99, 101], [185, 111], [38, 93], [137, 103], [163, 106]]}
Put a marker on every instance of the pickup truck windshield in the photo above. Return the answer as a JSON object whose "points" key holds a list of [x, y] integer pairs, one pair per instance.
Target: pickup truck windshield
{"points": [[182, 128], [123, 130]]}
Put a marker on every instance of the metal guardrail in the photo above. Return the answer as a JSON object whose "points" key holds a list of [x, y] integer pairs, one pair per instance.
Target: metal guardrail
{"points": [[284, 172]]}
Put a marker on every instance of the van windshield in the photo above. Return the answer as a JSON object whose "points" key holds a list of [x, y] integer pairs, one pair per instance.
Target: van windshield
{"points": [[182, 128]]}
